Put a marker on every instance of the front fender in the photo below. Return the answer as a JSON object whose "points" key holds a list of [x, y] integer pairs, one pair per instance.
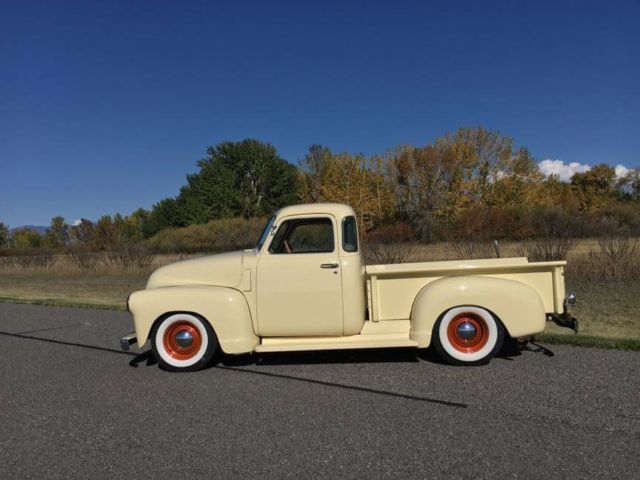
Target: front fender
{"points": [[518, 306], [225, 309]]}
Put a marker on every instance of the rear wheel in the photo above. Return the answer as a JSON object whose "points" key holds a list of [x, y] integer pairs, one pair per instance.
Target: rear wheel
{"points": [[468, 336], [183, 342]]}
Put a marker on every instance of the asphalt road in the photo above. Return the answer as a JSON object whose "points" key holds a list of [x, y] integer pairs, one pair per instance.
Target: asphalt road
{"points": [[72, 405]]}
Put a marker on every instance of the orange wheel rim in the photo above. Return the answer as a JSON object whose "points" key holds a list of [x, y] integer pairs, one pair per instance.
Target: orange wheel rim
{"points": [[468, 332], [182, 340]]}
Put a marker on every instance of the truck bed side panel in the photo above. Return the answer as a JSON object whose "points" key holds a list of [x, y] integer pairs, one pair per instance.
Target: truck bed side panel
{"points": [[393, 290]]}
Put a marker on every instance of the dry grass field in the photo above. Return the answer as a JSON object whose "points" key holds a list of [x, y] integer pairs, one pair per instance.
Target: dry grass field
{"points": [[607, 306], [77, 289]]}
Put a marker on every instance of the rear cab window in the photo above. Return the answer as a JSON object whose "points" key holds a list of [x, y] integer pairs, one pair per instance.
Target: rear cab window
{"points": [[349, 234]]}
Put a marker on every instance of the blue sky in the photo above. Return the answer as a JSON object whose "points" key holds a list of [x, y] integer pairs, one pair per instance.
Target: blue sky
{"points": [[105, 106]]}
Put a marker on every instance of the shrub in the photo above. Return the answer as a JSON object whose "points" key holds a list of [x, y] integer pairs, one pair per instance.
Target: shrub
{"points": [[41, 260], [471, 236], [82, 259], [384, 253], [613, 258], [547, 249], [487, 224], [555, 223], [618, 219], [399, 232], [554, 234], [467, 249], [130, 256], [216, 236]]}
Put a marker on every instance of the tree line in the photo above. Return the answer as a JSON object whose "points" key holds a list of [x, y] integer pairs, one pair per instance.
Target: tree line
{"points": [[473, 181]]}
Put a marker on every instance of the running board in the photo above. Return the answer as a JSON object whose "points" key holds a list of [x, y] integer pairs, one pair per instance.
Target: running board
{"points": [[292, 344]]}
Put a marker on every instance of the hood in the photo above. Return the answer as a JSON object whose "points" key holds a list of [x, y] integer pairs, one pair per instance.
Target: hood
{"points": [[224, 270]]}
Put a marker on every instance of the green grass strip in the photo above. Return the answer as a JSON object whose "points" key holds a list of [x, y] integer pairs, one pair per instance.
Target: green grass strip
{"points": [[55, 302], [630, 344]]}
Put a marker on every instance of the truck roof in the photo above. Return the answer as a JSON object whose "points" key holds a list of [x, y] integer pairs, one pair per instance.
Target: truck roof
{"points": [[338, 210]]}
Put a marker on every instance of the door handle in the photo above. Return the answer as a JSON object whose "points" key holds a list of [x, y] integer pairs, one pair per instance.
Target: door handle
{"points": [[329, 265]]}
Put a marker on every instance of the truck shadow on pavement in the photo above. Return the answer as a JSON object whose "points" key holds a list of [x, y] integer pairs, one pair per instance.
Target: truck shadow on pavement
{"points": [[510, 350], [236, 363]]}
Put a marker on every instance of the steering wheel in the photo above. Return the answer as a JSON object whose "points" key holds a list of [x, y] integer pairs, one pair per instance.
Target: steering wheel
{"points": [[287, 247]]}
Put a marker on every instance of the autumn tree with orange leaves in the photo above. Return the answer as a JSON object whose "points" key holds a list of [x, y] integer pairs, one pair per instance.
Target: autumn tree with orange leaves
{"points": [[346, 178]]}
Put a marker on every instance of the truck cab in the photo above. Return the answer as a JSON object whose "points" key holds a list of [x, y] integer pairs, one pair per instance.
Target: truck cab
{"points": [[305, 287], [309, 273]]}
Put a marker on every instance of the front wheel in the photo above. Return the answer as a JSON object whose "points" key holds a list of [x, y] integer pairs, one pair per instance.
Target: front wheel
{"points": [[468, 336], [183, 342]]}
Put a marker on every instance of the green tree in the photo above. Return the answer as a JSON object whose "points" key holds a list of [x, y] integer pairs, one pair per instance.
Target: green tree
{"points": [[210, 193], [164, 214], [246, 178], [26, 239], [135, 225], [4, 235]]}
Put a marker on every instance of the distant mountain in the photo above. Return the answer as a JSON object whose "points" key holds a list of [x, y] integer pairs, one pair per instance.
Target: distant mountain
{"points": [[37, 228]]}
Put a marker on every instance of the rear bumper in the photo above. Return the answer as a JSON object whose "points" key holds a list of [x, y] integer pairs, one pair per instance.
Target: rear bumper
{"points": [[565, 319], [127, 341]]}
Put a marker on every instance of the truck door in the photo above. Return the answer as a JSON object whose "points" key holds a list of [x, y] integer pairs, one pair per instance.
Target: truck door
{"points": [[299, 286]]}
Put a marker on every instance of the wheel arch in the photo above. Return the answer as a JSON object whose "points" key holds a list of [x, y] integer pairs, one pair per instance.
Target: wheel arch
{"points": [[224, 309], [517, 306]]}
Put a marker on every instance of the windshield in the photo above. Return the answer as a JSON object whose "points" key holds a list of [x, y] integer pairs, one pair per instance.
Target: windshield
{"points": [[265, 233]]}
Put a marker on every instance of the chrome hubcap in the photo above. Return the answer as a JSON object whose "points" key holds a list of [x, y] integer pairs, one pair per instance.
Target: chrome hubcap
{"points": [[184, 339], [466, 331]]}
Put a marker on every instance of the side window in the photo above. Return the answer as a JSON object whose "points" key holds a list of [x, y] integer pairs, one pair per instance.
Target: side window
{"points": [[309, 235], [349, 235]]}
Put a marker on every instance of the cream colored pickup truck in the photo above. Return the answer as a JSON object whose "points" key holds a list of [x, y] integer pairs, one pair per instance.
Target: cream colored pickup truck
{"points": [[305, 287]]}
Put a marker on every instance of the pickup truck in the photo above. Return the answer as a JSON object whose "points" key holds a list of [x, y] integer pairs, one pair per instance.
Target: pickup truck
{"points": [[305, 287]]}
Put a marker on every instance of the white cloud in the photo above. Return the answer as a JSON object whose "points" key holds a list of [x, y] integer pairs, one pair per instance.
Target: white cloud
{"points": [[76, 222], [621, 171], [566, 170]]}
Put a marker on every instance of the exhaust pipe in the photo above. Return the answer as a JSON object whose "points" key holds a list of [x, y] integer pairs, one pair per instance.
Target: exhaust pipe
{"points": [[127, 341]]}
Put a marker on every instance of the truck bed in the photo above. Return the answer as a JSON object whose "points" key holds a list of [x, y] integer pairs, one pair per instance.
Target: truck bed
{"points": [[392, 288]]}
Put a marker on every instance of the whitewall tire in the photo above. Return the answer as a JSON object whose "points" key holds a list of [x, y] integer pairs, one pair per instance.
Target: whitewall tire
{"points": [[468, 335], [183, 342]]}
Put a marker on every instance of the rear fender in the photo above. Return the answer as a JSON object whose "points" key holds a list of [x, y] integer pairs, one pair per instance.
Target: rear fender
{"points": [[225, 309], [517, 306]]}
